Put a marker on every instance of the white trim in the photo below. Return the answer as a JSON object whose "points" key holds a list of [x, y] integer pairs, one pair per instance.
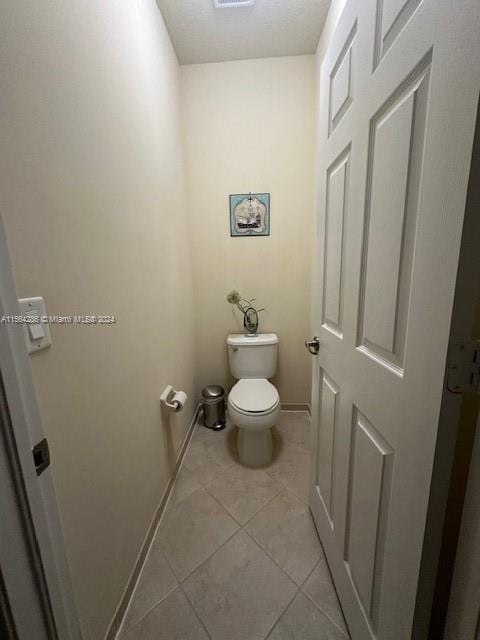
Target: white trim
{"points": [[22, 584], [27, 430], [232, 4], [115, 626], [296, 406]]}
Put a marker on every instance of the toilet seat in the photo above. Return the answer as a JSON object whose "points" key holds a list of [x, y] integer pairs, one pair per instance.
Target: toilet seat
{"points": [[254, 396]]}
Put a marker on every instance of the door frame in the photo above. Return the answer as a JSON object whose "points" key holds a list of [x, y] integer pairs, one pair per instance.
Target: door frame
{"points": [[458, 421], [463, 613], [37, 509]]}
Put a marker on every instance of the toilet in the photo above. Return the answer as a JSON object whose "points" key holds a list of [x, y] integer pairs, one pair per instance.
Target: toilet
{"points": [[253, 402]]}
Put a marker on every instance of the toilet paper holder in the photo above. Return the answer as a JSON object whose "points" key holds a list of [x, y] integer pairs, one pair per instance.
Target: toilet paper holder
{"points": [[173, 400]]}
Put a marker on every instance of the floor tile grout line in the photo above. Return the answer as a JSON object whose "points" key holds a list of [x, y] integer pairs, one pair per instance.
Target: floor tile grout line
{"points": [[297, 587], [164, 514], [192, 606], [324, 560], [203, 485], [241, 525], [273, 560], [289, 443], [240, 528], [178, 504], [142, 617], [281, 614], [299, 590], [283, 488], [182, 465], [287, 487], [181, 581], [263, 551], [266, 470], [268, 554], [310, 573], [171, 567], [325, 613], [313, 569], [222, 507]]}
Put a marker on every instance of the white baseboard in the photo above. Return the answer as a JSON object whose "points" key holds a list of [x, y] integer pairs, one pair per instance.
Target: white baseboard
{"points": [[116, 621], [296, 406]]}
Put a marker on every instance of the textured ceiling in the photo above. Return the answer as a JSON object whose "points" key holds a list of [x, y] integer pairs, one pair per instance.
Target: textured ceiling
{"points": [[201, 33]]}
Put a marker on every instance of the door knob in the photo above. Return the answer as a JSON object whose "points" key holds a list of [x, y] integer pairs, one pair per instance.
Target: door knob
{"points": [[313, 345]]}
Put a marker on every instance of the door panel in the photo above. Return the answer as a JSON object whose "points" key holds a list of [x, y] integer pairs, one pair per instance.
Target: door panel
{"points": [[395, 145], [336, 205], [393, 181], [326, 443], [392, 16], [371, 460], [341, 82]]}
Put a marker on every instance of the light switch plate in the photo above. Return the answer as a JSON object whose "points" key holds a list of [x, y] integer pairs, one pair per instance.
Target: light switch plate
{"points": [[37, 335]]}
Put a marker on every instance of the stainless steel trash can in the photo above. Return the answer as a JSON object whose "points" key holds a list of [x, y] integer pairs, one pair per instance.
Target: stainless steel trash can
{"points": [[213, 398]]}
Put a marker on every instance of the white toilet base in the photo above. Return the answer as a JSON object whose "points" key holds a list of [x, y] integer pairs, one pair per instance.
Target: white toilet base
{"points": [[254, 447]]}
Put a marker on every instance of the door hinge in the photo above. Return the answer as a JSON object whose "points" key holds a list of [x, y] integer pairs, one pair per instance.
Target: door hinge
{"points": [[41, 456], [463, 367]]}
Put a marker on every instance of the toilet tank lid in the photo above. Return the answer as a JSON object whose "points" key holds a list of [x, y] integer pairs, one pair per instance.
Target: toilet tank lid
{"points": [[241, 340]]}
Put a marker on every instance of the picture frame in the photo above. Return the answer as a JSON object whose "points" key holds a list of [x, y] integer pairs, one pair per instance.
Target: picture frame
{"points": [[249, 214]]}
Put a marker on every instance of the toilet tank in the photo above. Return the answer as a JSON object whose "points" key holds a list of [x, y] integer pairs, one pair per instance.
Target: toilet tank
{"points": [[252, 356]]}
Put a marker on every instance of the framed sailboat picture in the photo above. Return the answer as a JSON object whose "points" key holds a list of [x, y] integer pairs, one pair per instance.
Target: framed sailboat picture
{"points": [[249, 214]]}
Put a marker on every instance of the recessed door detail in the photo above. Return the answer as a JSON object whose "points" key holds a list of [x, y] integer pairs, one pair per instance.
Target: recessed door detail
{"points": [[335, 214], [371, 462], [341, 83], [326, 441], [392, 197], [398, 102], [392, 16]]}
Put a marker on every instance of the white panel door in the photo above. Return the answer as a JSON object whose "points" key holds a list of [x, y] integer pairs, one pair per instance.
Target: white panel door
{"points": [[399, 92]]}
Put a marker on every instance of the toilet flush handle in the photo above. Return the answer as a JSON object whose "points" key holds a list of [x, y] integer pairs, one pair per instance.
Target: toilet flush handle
{"points": [[313, 345]]}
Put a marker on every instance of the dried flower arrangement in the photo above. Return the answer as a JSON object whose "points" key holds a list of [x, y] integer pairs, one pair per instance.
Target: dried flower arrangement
{"points": [[250, 313]]}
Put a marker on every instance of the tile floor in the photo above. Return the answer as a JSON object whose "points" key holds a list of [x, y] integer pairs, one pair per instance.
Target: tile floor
{"points": [[236, 555]]}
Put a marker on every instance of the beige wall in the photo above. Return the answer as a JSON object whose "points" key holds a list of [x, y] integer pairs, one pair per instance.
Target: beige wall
{"points": [[91, 189], [249, 126], [94, 198]]}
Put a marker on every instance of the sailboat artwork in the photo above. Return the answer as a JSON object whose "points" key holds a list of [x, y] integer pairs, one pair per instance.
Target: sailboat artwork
{"points": [[250, 214]]}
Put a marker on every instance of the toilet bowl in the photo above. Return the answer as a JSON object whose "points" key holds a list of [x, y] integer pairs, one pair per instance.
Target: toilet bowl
{"points": [[253, 402], [254, 406]]}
